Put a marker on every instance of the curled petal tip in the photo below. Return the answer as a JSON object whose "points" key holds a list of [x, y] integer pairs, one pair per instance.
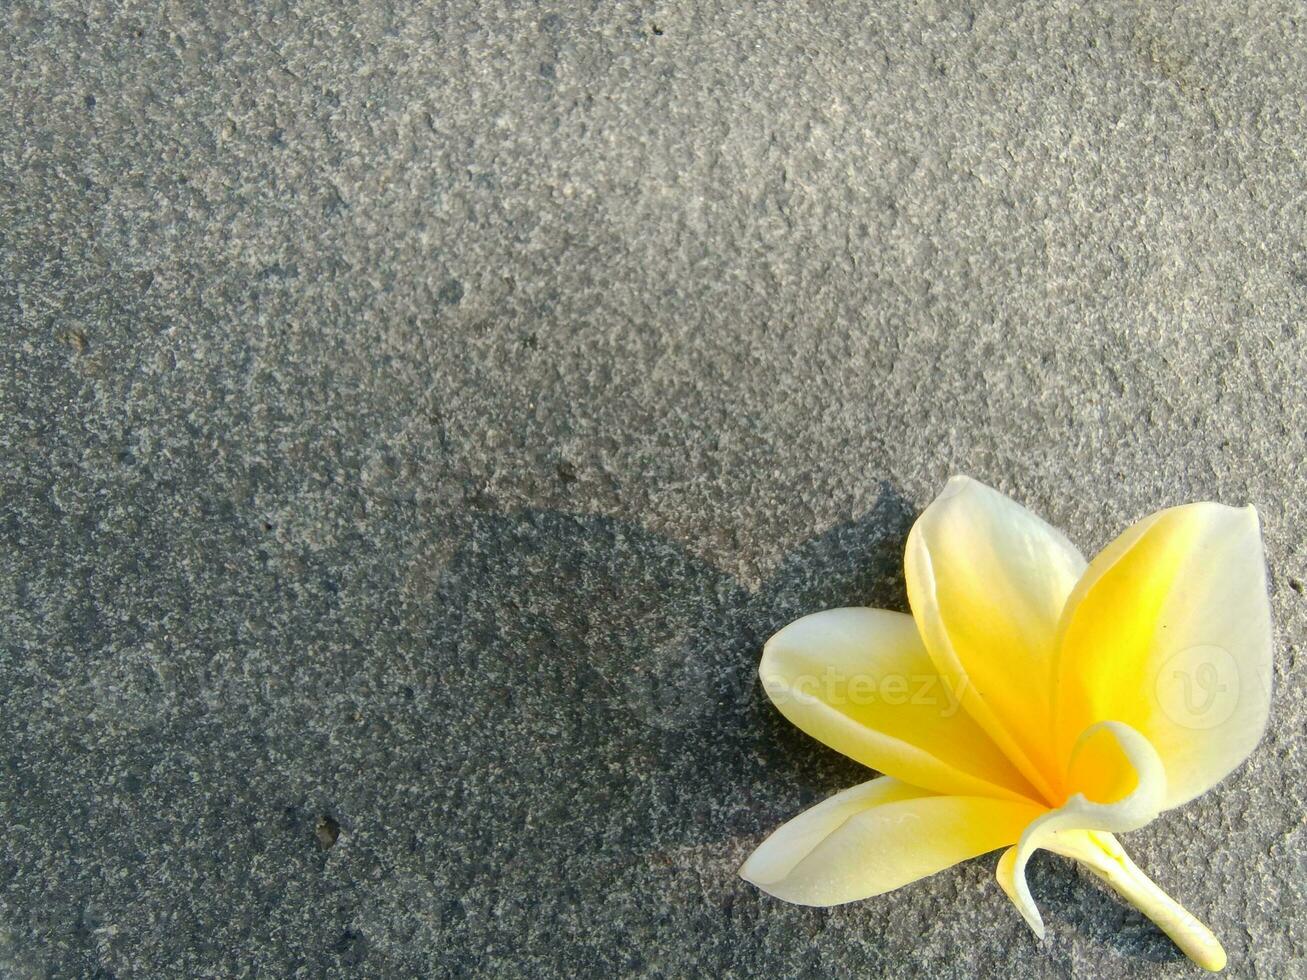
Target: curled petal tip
{"points": [[1013, 881]]}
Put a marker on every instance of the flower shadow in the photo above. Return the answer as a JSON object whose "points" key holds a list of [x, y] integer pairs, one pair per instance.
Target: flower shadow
{"points": [[597, 716]]}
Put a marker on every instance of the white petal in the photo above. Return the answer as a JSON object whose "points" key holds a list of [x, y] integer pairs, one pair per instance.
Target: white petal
{"points": [[860, 681], [1169, 631], [877, 837], [988, 581]]}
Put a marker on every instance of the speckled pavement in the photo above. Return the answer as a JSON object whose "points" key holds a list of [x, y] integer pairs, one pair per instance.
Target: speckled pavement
{"points": [[414, 417]]}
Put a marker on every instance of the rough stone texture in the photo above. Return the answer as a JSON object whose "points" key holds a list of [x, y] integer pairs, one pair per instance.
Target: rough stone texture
{"points": [[413, 417]]}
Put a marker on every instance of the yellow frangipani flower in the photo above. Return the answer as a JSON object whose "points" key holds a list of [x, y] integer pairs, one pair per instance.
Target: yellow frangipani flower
{"points": [[1031, 700]]}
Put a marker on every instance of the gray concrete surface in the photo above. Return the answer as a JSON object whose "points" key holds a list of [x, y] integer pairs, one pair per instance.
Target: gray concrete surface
{"points": [[416, 415]]}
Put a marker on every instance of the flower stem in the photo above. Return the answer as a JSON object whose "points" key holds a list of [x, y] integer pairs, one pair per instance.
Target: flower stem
{"points": [[1105, 857]]}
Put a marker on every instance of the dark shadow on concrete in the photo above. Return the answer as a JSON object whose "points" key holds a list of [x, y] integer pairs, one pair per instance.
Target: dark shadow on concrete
{"points": [[597, 711]]}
